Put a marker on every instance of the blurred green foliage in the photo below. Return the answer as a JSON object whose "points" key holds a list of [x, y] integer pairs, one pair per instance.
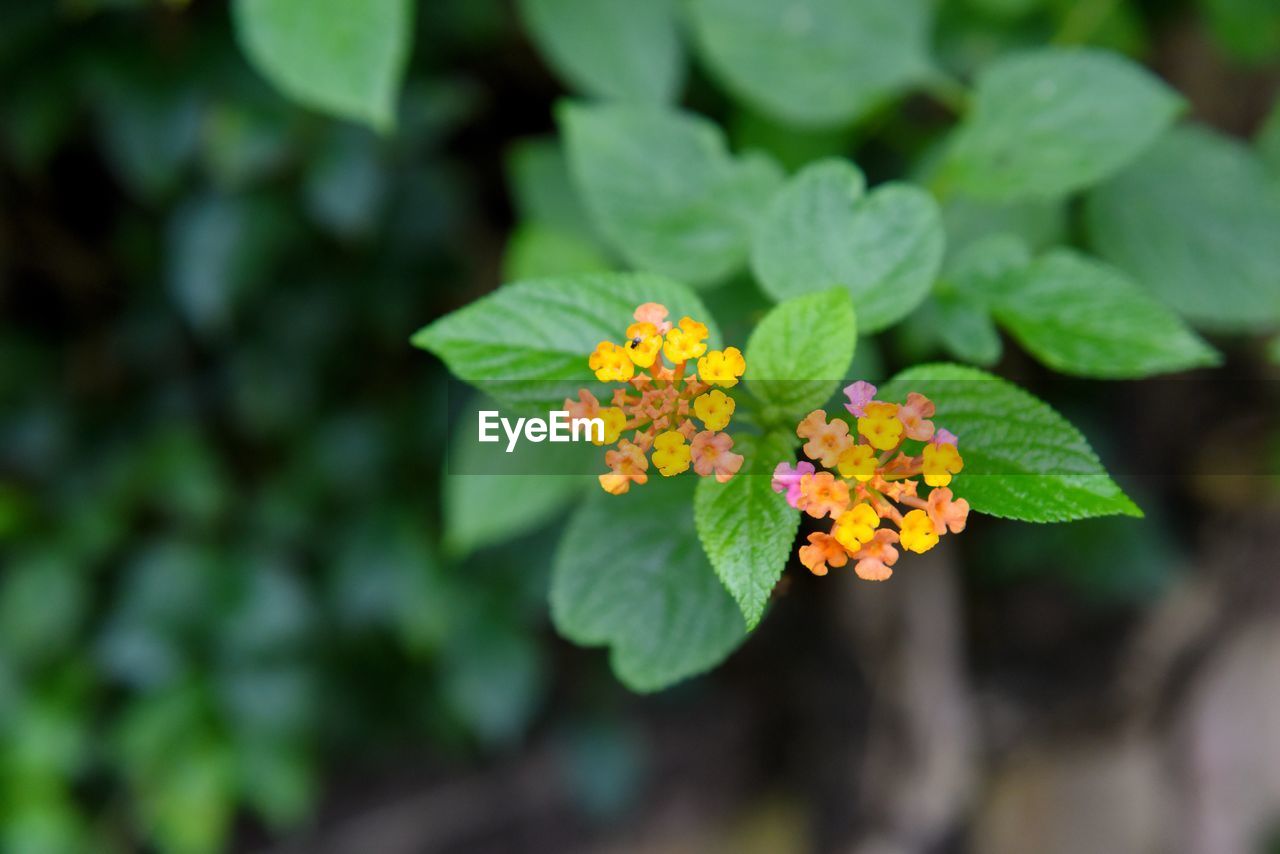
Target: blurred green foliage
{"points": [[221, 570], [221, 565]]}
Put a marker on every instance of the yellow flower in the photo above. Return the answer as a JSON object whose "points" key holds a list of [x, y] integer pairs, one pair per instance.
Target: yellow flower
{"points": [[858, 461], [917, 533], [694, 328], [714, 408], [940, 462], [643, 343], [881, 426], [856, 527], [671, 455], [614, 422], [722, 367], [611, 363], [686, 341]]}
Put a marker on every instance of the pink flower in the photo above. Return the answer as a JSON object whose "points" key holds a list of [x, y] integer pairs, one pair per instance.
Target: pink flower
{"points": [[860, 394], [712, 453], [655, 313], [787, 479], [945, 437], [914, 415]]}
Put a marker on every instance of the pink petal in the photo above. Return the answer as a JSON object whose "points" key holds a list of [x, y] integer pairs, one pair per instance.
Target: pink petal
{"points": [[860, 394]]}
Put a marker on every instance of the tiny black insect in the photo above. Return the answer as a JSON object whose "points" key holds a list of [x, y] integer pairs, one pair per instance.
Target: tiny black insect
{"points": [[635, 342]]}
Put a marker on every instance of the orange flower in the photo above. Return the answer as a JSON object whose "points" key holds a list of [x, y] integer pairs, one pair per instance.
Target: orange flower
{"points": [[822, 495], [822, 550], [627, 465], [812, 424], [826, 441], [586, 406], [947, 514], [878, 483], [914, 415], [655, 313], [876, 558]]}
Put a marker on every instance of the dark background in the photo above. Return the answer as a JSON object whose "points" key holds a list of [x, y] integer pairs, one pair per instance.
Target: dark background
{"points": [[226, 619]]}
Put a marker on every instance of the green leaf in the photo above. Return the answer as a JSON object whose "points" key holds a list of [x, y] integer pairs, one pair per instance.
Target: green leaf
{"points": [[1195, 222], [216, 248], [793, 148], [982, 268], [1040, 223], [1082, 317], [42, 604], [542, 190], [150, 125], [823, 229], [538, 251], [1022, 460], [529, 499], [528, 342], [630, 574], [617, 49], [970, 281], [966, 329], [746, 528], [277, 778], [664, 190], [332, 55], [347, 183], [800, 351], [1050, 122], [815, 63]]}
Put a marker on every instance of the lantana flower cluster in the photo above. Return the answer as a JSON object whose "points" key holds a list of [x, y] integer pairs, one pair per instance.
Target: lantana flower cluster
{"points": [[668, 401], [865, 478]]}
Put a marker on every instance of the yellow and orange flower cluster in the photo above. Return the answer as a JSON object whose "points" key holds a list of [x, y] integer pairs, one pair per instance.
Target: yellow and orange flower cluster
{"points": [[663, 401], [874, 481]]}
